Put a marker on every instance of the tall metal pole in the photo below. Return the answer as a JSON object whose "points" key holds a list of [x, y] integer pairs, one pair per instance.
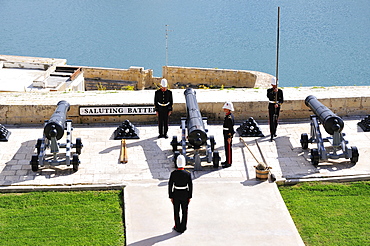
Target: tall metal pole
{"points": [[277, 47], [166, 45], [275, 117], [167, 30]]}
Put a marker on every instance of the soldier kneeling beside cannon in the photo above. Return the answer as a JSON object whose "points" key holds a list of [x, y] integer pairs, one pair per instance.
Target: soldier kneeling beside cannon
{"points": [[54, 131], [333, 125]]}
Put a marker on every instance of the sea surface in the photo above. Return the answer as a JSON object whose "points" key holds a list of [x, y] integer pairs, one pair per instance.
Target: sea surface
{"points": [[322, 43]]}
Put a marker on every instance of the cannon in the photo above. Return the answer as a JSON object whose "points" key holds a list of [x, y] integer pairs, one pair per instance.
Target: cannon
{"points": [[53, 131], [333, 125], [197, 136]]}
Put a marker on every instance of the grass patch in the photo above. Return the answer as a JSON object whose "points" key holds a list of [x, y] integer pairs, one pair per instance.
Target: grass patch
{"points": [[330, 213], [62, 218]]}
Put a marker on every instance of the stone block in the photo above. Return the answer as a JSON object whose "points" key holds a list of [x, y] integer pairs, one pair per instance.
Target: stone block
{"points": [[353, 102], [365, 102]]}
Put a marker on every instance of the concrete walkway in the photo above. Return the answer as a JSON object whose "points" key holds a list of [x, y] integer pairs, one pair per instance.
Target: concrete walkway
{"points": [[229, 207], [223, 212]]}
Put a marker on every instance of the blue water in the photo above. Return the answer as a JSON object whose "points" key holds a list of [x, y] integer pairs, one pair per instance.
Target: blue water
{"points": [[322, 43]]}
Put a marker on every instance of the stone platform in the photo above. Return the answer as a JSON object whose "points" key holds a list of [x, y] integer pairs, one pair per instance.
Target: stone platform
{"points": [[230, 206]]}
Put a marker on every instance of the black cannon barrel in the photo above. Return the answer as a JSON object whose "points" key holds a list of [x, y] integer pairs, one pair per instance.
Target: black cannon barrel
{"points": [[331, 122], [56, 124], [197, 135]]}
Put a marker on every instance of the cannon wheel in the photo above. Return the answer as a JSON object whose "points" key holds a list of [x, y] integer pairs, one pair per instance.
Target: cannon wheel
{"points": [[304, 140], [174, 144], [78, 145], [354, 158], [75, 162], [216, 159], [213, 142], [175, 155], [197, 162], [315, 157], [35, 163], [38, 145]]}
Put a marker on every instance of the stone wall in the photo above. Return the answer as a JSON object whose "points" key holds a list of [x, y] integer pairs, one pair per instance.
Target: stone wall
{"points": [[140, 77], [209, 77], [292, 109], [113, 78]]}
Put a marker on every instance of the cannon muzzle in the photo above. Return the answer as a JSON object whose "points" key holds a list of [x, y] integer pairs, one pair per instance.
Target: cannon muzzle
{"points": [[197, 135], [57, 123], [331, 122]]}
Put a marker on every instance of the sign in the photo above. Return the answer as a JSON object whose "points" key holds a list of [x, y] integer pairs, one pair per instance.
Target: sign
{"points": [[116, 110]]}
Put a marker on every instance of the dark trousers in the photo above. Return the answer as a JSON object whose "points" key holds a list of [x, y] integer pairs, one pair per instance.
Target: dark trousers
{"points": [[228, 150], [273, 118], [163, 121], [180, 225]]}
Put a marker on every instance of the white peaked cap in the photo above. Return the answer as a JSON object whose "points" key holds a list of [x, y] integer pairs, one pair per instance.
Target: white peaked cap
{"points": [[164, 83], [180, 162], [273, 81], [229, 106]]}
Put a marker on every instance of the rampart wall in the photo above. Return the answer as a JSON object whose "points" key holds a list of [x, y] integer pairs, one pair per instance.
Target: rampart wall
{"points": [[177, 77], [211, 77], [34, 108]]}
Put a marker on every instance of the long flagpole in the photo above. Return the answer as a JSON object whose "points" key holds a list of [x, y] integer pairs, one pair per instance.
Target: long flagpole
{"points": [[277, 47], [275, 116], [277, 54]]}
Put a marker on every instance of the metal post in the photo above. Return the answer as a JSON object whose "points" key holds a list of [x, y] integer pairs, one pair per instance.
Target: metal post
{"points": [[277, 47], [167, 30]]}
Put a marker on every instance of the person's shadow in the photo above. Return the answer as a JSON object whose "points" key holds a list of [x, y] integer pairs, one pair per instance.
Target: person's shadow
{"points": [[156, 239]]}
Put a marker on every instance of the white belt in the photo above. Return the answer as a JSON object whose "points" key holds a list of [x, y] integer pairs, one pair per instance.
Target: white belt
{"points": [[226, 129], [272, 102], [163, 105], [180, 188]]}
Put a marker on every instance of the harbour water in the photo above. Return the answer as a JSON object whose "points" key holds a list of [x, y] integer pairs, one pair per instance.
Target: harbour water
{"points": [[322, 43]]}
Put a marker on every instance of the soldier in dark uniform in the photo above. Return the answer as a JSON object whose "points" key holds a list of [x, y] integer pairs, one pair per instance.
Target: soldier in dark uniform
{"points": [[228, 132], [276, 99], [163, 106], [180, 190]]}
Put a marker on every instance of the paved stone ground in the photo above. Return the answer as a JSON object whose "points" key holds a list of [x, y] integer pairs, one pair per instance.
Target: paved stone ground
{"points": [[224, 219], [151, 158]]}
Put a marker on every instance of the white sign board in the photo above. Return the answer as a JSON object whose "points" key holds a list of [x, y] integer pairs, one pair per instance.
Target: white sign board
{"points": [[116, 110]]}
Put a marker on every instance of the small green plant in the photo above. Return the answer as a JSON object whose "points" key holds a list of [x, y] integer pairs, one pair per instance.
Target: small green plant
{"points": [[203, 87], [222, 87], [101, 87], [128, 88]]}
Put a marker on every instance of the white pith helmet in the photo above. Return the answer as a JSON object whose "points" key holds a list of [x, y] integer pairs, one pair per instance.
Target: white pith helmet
{"points": [[180, 162], [229, 106], [164, 83], [273, 81]]}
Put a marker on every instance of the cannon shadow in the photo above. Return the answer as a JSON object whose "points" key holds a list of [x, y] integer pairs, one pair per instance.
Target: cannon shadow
{"points": [[18, 169], [295, 162]]}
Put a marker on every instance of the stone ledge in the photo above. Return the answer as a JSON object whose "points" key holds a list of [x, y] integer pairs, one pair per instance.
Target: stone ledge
{"points": [[31, 108]]}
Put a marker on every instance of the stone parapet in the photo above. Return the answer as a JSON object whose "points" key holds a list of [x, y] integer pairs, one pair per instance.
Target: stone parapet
{"points": [[34, 108], [138, 76], [211, 77]]}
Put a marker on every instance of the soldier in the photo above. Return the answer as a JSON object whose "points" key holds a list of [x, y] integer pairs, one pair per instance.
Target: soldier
{"points": [[180, 189], [276, 99], [228, 131], [163, 106]]}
